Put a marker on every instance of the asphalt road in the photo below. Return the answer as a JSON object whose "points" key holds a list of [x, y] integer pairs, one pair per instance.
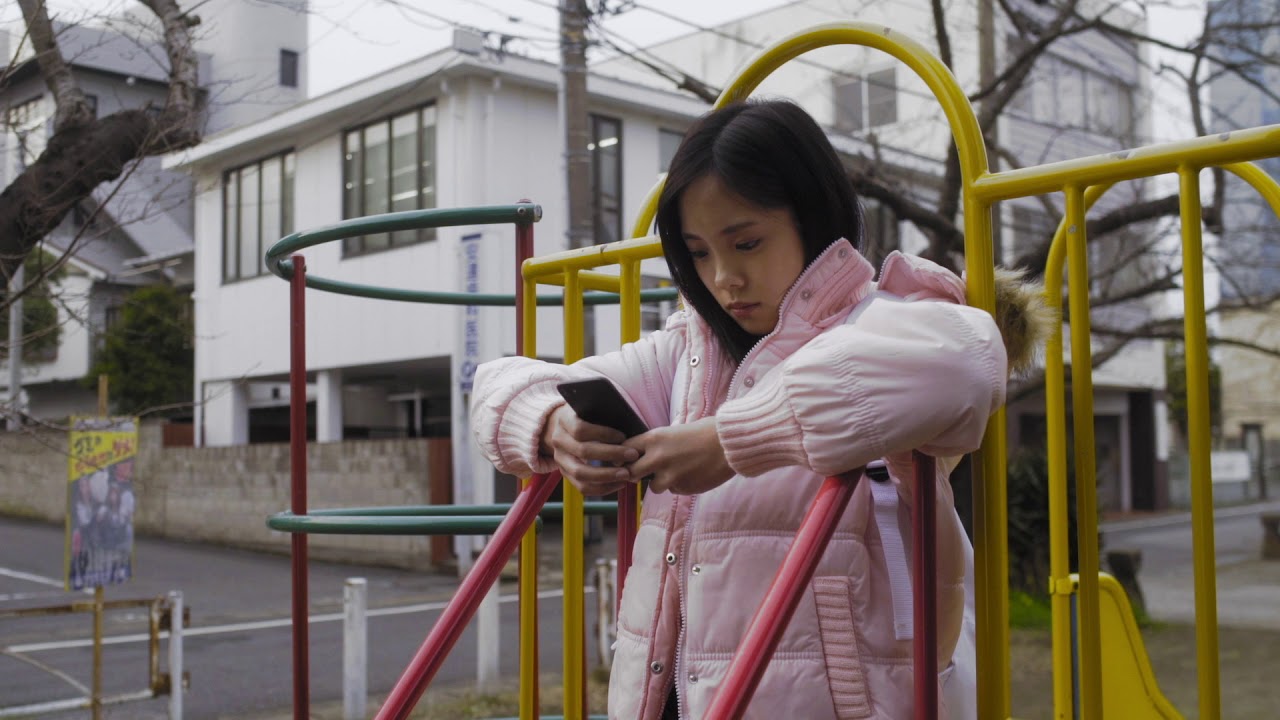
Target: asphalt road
{"points": [[1247, 587], [237, 649]]}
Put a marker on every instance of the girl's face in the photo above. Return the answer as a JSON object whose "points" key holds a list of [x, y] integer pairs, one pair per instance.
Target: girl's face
{"points": [[746, 256]]}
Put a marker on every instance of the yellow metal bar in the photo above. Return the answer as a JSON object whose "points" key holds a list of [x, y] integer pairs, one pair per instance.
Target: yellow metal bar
{"points": [[1086, 477], [648, 209], [1061, 587], [630, 293], [1266, 185], [990, 521], [1197, 359], [529, 690], [629, 290], [1220, 149], [549, 268], [602, 282], [574, 605]]}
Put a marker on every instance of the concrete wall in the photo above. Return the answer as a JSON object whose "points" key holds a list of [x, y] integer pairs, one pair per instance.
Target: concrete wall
{"points": [[224, 495]]}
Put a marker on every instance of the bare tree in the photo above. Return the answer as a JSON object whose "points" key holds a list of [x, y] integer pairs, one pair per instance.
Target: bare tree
{"points": [[85, 151], [1136, 266]]}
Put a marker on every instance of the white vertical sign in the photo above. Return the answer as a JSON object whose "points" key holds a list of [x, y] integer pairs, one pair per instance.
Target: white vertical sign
{"points": [[472, 474]]}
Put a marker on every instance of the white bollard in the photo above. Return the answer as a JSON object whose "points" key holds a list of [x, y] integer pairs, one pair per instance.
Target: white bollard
{"points": [[175, 655], [488, 640], [355, 649]]}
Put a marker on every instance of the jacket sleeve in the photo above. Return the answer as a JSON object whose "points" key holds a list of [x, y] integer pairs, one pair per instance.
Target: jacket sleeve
{"points": [[897, 376], [514, 396]]}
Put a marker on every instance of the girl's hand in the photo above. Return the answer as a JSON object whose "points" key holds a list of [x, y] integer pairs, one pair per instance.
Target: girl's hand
{"points": [[684, 459], [576, 444]]}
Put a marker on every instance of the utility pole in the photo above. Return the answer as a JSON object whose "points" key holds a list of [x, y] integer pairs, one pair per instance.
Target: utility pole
{"points": [[15, 348], [573, 113], [986, 76]]}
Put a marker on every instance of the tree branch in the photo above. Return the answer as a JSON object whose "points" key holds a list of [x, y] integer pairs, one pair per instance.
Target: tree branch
{"points": [[84, 152], [72, 107]]}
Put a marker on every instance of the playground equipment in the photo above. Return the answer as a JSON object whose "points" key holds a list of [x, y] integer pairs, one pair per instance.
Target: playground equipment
{"points": [[1100, 604]]}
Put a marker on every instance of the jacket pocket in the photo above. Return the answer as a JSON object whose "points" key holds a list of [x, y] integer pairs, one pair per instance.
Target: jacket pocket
{"points": [[837, 627]]}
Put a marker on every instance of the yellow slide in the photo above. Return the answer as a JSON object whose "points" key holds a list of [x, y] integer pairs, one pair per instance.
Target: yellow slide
{"points": [[1129, 688]]}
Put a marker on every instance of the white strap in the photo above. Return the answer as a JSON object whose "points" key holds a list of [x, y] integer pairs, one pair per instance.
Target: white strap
{"points": [[885, 496]]}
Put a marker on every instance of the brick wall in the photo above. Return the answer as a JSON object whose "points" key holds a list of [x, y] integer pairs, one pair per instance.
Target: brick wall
{"points": [[224, 495]]}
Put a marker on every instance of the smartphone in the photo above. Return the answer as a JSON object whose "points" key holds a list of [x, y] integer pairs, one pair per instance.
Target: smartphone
{"points": [[598, 402]]}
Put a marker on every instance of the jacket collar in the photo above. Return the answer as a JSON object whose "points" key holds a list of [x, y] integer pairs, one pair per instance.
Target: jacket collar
{"points": [[839, 278], [833, 283]]}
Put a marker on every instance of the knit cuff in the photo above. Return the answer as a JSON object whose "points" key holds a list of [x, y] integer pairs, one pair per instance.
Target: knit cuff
{"points": [[760, 432], [520, 438]]}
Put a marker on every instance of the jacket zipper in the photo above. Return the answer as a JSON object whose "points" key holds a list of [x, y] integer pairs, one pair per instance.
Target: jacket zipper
{"points": [[688, 534], [782, 312], [680, 580]]}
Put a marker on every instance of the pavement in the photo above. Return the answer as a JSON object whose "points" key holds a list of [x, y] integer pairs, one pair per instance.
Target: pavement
{"points": [[1248, 587]]}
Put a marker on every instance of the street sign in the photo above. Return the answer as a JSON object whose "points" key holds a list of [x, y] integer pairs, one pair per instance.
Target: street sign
{"points": [[100, 501]]}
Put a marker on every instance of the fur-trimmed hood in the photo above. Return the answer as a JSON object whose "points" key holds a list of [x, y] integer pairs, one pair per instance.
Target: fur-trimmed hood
{"points": [[1023, 317]]}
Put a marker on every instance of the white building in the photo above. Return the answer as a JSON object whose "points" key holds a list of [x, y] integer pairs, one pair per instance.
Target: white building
{"points": [[1250, 261], [450, 130], [251, 64], [488, 132]]}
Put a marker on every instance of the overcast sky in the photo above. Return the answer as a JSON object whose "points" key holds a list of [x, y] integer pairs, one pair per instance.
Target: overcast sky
{"points": [[353, 39]]}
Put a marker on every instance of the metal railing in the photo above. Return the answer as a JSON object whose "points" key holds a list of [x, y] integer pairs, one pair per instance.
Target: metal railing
{"points": [[165, 615]]}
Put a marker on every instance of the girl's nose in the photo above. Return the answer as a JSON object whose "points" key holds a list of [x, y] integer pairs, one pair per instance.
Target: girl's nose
{"points": [[728, 275]]}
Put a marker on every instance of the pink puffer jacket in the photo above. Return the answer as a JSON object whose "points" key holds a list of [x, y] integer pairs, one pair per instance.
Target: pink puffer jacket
{"points": [[854, 372]]}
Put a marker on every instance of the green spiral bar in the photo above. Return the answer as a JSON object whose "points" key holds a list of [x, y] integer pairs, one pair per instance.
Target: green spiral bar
{"points": [[417, 519], [608, 508], [278, 262], [335, 524]]}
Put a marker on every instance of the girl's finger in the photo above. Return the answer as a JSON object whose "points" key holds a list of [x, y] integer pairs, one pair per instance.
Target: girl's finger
{"points": [[608, 454], [586, 432]]}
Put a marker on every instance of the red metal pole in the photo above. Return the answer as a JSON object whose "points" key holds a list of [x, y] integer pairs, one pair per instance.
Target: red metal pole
{"points": [[780, 603], [626, 539], [924, 580], [462, 607], [298, 483]]}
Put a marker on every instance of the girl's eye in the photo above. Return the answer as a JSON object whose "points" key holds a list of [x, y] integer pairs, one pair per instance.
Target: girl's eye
{"points": [[698, 254], [748, 245]]}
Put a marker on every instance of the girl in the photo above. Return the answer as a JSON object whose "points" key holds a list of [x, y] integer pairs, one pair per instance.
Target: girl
{"points": [[791, 364]]}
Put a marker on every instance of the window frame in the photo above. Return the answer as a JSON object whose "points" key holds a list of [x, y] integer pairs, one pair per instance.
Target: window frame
{"points": [[232, 240], [358, 246], [290, 68], [664, 160], [597, 212], [860, 113]]}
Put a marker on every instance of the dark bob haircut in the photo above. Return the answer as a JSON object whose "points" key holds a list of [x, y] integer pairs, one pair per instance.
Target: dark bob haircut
{"points": [[773, 155]]}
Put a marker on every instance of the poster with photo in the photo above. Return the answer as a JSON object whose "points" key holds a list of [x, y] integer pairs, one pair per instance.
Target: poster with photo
{"points": [[100, 502]]}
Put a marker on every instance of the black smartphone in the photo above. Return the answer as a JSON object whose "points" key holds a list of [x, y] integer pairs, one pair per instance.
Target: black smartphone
{"points": [[598, 402]]}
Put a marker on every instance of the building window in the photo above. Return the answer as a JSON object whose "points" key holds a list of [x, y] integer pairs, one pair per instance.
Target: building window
{"points": [[606, 178], [289, 68], [668, 142], [1061, 93], [257, 202], [389, 166], [864, 102], [26, 120], [92, 100]]}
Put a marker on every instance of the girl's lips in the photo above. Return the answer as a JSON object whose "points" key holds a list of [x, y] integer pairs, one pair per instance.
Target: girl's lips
{"points": [[742, 309]]}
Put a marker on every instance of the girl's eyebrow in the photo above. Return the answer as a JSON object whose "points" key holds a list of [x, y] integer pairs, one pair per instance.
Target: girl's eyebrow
{"points": [[728, 230]]}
